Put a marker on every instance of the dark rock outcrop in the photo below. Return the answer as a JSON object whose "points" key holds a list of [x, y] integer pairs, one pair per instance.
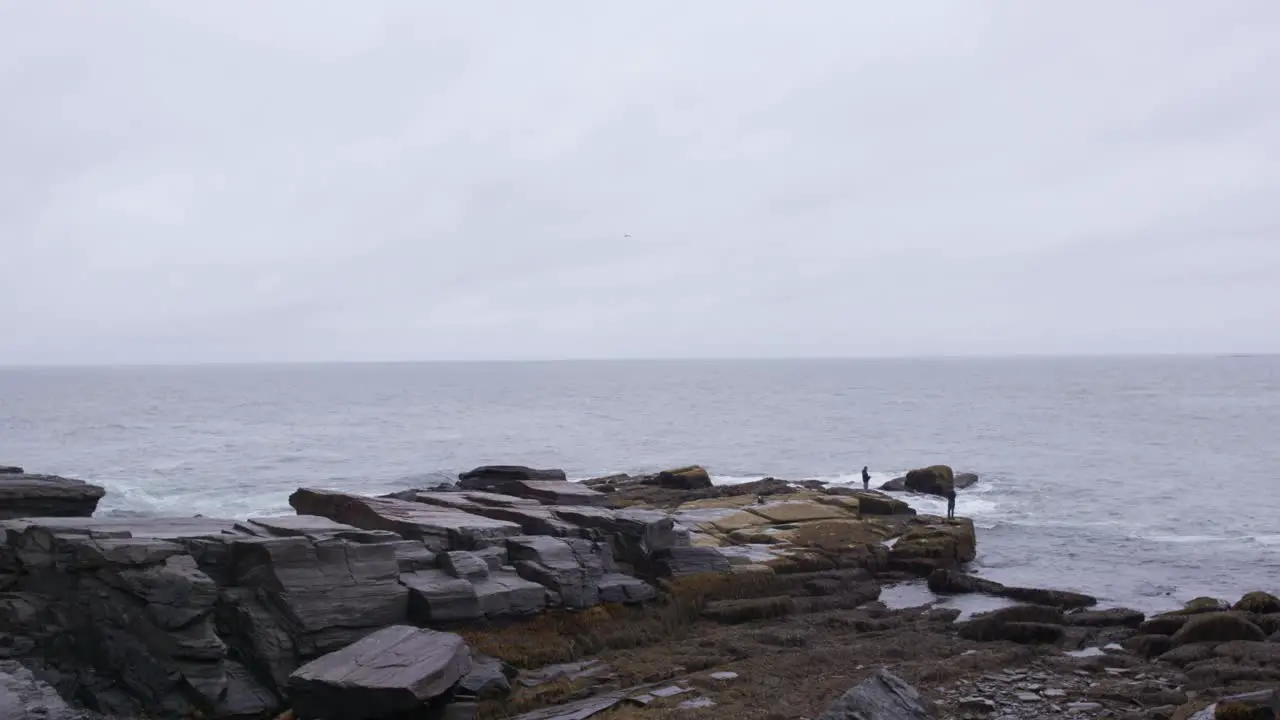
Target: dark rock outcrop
{"points": [[394, 670], [883, 696], [24, 495], [487, 476], [943, 580], [549, 487], [11, 470]]}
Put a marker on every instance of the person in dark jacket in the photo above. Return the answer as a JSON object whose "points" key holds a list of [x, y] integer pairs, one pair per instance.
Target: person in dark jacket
{"points": [[866, 478], [951, 503]]}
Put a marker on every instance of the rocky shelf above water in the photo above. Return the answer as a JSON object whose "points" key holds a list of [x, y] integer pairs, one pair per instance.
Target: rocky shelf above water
{"points": [[432, 602]]}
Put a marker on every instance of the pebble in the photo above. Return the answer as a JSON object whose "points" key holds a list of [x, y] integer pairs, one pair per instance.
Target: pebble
{"points": [[723, 675], [1054, 693], [1084, 706], [1028, 697]]}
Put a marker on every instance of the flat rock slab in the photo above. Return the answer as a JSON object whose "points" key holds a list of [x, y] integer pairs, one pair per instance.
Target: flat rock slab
{"points": [[467, 499], [26, 495], [580, 710], [311, 526], [160, 528], [792, 512], [394, 670], [550, 492]]}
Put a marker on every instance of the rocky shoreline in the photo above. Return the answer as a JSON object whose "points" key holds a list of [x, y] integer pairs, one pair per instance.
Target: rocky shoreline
{"points": [[518, 594]]}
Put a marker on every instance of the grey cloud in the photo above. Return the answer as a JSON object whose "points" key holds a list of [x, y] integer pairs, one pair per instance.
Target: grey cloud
{"points": [[420, 180]]}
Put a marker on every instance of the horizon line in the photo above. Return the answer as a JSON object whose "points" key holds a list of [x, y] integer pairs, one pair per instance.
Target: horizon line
{"points": [[672, 359]]}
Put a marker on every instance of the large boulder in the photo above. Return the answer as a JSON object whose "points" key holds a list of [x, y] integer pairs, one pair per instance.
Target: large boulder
{"points": [[883, 696], [1217, 627], [1258, 602], [24, 495], [693, 477], [394, 670], [487, 476], [932, 480], [549, 487], [440, 528]]}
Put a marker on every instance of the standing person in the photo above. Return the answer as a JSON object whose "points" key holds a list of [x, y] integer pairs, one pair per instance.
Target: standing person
{"points": [[951, 503], [866, 478]]}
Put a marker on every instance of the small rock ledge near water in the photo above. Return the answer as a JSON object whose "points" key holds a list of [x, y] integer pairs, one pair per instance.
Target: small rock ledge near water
{"points": [[517, 593]]}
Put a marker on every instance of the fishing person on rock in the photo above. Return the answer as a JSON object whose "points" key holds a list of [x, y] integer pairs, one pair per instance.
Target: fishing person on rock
{"points": [[866, 478]]}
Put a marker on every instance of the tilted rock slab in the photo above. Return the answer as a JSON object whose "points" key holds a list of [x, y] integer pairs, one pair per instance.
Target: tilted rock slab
{"points": [[440, 528], [883, 696], [24, 495], [393, 670]]}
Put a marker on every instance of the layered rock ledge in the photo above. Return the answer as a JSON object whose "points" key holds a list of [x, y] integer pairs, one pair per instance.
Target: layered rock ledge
{"points": [[519, 594], [28, 495]]}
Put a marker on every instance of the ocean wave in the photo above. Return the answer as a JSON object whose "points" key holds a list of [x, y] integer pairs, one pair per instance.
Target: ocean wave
{"points": [[1184, 539]]}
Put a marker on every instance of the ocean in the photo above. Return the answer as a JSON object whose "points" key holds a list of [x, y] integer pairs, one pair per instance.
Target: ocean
{"points": [[1143, 481]]}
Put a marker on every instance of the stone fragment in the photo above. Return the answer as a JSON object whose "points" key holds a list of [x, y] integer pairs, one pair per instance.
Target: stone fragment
{"points": [[489, 679], [462, 564], [619, 588], [883, 696], [435, 596]]}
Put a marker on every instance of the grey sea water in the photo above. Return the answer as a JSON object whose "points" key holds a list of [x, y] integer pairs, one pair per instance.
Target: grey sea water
{"points": [[1144, 481]]}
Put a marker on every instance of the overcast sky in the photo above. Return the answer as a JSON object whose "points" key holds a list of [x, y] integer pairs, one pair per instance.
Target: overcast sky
{"points": [[304, 180]]}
